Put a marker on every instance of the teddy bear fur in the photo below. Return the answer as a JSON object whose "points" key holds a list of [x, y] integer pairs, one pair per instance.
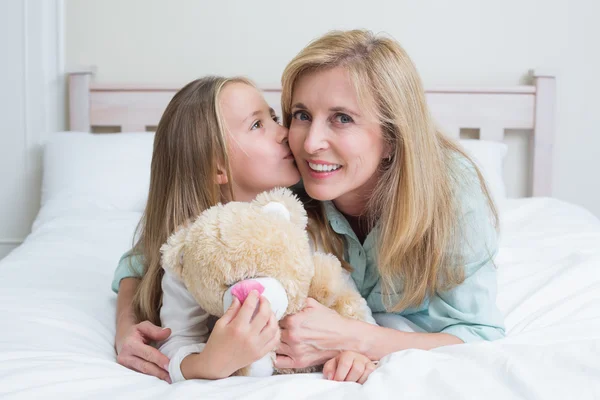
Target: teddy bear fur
{"points": [[232, 242]]}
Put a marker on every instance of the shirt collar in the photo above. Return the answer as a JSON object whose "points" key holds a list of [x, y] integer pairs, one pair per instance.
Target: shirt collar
{"points": [[340, 224]]}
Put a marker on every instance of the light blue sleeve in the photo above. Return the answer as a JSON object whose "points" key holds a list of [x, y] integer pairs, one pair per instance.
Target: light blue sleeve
{"points": [[469, 311], [130, 266]]}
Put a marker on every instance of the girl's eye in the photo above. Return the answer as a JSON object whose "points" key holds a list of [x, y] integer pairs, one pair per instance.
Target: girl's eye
{"points": [[276, 119], [256, 125], [343, 118], [301, 116]]}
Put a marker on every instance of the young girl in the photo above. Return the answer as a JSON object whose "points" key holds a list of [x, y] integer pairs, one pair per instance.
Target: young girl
{"points": [[217, 141]]}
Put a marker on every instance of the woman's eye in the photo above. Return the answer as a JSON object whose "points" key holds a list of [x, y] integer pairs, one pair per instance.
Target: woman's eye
{"points": [[256, 125], [301, 116], [343, 118]]}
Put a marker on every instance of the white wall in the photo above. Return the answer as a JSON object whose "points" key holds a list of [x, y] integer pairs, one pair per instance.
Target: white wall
{"points": [[465, 42], [31, 104]]}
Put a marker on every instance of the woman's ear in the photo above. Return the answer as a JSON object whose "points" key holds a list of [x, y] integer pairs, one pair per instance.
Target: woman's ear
{"points": [[388, 152]]}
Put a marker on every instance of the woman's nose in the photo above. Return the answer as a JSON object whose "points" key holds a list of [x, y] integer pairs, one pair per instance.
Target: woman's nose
{"points": [[315, 140]]}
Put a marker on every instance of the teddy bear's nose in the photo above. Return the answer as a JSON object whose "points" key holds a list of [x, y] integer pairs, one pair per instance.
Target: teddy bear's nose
{"points": [[242, 289]]}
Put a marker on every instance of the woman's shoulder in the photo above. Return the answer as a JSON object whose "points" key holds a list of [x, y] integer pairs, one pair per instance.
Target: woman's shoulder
{"points": [[468, 185], [464, 172], [478, 221]]}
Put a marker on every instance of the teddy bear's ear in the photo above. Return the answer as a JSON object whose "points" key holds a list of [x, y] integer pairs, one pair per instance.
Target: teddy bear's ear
{"points": [[287, 201], [172, 251], [276, 208]]}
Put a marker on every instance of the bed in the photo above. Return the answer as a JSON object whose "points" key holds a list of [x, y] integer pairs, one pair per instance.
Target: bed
{"points": [[58, 311]]}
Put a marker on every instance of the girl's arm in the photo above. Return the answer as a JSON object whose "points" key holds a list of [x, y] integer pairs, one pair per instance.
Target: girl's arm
{"points": [[236, 341], [188, 323]]}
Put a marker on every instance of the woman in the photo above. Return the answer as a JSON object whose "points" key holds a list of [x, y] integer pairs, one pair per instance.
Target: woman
{"points": [[409, 210]]}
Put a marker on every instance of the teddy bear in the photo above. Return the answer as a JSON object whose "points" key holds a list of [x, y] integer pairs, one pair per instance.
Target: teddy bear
{"points": [[234, 248]]}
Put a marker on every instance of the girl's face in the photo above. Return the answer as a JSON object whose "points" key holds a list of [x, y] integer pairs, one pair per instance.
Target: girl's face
{"points": [[338, 147], [259, 154]]}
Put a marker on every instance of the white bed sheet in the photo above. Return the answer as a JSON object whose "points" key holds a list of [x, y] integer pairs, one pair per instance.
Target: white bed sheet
{"points": [[57, 313]]}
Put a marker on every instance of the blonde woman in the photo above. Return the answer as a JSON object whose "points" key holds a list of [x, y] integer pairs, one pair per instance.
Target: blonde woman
{"points": [[404, 205]]}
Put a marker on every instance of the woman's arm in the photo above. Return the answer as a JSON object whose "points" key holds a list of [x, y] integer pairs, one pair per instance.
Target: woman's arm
{"points": [[378, 341], [125, 316], [316, 334], [466, 313], [132, 341]]}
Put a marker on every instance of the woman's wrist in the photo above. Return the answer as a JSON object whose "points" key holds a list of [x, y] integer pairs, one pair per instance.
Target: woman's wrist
{"points": [[376, 341], [357, 336]]}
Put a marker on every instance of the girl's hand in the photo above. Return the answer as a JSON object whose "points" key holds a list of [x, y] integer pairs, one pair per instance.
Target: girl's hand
{"points": [[134, 350], [312, 336], [349, 366], [239, 338]]}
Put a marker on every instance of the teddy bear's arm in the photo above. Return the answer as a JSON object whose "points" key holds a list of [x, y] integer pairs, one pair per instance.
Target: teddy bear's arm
{"points": [[331, 288]]}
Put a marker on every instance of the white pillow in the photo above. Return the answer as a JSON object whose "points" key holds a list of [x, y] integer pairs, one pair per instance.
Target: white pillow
{"points": [[489, 157], [91, 171], [85, 171]]}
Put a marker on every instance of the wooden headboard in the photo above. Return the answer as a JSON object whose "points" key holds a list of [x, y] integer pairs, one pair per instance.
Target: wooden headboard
{"points": [[491, 110]]}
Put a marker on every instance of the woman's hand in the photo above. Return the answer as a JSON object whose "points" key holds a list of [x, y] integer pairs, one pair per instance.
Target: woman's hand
{"points": [[312, 336], [349, 366], [134, 350], [240, 338]]}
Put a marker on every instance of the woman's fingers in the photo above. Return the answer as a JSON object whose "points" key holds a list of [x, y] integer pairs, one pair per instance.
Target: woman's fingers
{"points": [[283, 348], [284, 362], [150, 354], [153, 332], [145, 367], [273, 339]]}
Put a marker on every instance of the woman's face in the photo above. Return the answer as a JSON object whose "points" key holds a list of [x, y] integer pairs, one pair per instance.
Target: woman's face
{"points": [[338, 146], [259, 154]]}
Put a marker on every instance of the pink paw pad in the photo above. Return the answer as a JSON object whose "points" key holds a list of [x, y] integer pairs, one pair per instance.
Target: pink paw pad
{"points": [[242, 289]]}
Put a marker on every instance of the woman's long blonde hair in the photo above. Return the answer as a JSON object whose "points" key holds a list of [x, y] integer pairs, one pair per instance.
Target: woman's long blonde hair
{"points": [[189, 145], [415, 201]]}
